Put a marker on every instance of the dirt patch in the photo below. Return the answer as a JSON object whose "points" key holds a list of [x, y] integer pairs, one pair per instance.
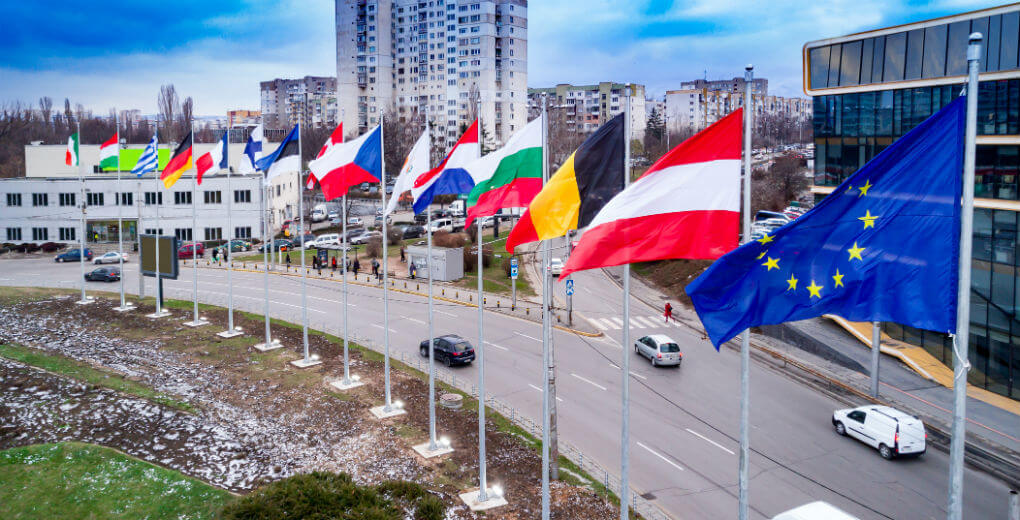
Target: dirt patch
{"points": [[260, 419]]}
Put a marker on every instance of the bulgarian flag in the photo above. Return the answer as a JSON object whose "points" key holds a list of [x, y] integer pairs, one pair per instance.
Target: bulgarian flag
{"points": [[108, 153], [509, 177], [71, 159]]}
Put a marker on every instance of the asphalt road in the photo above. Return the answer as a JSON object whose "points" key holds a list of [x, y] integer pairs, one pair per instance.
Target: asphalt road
{"points": [[684, 422]]}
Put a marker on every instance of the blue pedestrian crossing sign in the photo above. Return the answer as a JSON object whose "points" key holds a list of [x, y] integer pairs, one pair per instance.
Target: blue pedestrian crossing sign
{"points": [[570, 287], [513, 268]]}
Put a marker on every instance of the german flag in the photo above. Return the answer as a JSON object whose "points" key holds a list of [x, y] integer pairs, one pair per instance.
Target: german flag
{"points": [[179, 163], [572, 197]]}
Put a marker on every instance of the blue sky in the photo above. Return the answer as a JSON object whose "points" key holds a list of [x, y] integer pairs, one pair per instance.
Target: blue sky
{"points": [[117, 53]]}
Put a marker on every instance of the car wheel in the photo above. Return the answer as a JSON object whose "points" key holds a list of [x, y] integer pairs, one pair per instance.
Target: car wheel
{"points": [[840, 429], [448, 362], [885, 451], [60, 260], [424, 352], [654, 363]]}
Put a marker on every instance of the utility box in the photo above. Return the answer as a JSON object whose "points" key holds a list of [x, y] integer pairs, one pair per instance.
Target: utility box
{"points": [[447, 263]]}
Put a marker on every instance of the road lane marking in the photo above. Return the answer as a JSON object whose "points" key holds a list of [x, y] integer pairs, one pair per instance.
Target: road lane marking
{"points": [[635, 374], [645, 322], [497, 346], [274, 302], [653, 452], [558, 398], [589, 381], [617, 322], [415, 320], [452, 315], [598, 323], [710, 441], [527, 336], [376, 325]]}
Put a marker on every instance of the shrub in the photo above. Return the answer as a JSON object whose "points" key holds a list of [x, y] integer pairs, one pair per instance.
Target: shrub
{"points": [[31, 248], [447, 239], [50, 247], [471, 258], [394, 235], [374, 247], [506, 265], [330, 495]]}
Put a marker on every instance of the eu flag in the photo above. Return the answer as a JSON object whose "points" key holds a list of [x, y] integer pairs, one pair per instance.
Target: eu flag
{"points": [[883, 246]]}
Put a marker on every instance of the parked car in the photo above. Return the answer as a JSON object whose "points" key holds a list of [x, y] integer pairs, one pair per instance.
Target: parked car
{"points": [[236, 246], [487, 222], [309, 241], [354, 221], [412, 231], [279, 244], [365, 236], [112, 257], [378, 220], [555, 266], [441, 224], [73, 255], [891, 431], [328, 240], [660, 350], [318, 215], [421, 218], [103, 274], [449, 350], [333, 215], [189, 250]]}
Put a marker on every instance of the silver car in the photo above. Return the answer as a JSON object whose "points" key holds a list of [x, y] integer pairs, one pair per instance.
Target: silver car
{"points": [[659, 349]]}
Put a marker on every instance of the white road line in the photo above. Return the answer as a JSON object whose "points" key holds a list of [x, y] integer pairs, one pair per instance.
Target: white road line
{"points": [[617, 322], [276, 303], [590, 382], [558, 398], [529, 337], [497, 346], [416, 321], [376, 325], [635, 374], [671, 463], [641, 322], [710, 441], [597, 323], [452, 315]]}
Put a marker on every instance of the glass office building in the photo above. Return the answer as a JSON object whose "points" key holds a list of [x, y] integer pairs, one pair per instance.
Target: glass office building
{"points": [[871, 88]]}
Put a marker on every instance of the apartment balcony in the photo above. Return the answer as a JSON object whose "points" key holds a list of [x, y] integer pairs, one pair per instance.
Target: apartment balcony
{"points": [[362, 80]]}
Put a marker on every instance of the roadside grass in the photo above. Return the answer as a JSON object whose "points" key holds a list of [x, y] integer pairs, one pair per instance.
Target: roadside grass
{"points": [[74, 480], [77, 370], [494, 278]]}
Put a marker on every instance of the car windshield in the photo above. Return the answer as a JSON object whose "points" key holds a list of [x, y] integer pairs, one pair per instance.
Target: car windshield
{"points": [[669, 347], [463, 346]]}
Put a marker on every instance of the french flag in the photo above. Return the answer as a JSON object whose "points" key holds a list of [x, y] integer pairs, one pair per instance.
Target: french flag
{"points": [[687, 205], [348, 164], [449, 177], [215, 160], [335, 138]]}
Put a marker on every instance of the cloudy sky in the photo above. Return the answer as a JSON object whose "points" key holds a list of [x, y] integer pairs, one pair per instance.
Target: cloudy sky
{"points": [[116, 53]]}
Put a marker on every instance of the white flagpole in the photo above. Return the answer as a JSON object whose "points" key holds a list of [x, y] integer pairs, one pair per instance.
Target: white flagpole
{"points": [[876, 349], [347, 382], [960, 340], [483, 494], [158, 195], [545, 331], [307, 361], [196, 320], [231, 331], [745, 339], [388, 407], [433, 444], [81, 179], [120, 219], [625, 420]]}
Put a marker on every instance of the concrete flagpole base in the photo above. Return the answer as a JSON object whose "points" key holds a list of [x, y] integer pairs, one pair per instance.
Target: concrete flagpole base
{"points": [[86, 301], [340, 385], [230, 333], [307, 363], [128, 306], [425, 452], [495, 499], [395, 409], [273, 345], [201, 322], [157, 315]]}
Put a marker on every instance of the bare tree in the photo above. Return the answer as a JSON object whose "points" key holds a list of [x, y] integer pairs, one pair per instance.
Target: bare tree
{"points": [[187, 114], [784, 181], [15, 123], [168, 106], [46, 109]]}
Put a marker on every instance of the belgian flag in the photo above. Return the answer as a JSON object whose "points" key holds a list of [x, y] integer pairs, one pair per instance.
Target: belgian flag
{"points": [[179, 163], [572, 197]]}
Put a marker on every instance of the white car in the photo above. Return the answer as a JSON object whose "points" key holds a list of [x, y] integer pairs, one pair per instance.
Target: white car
{"points": [[112, 257], [354, 221], [891, 431], [365, 237], [333, 215], [555, 266], [442, 224], [327, 241], [660, 349]]}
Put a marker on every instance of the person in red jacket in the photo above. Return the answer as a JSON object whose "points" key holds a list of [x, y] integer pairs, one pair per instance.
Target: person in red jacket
{"points": [[669, 312]]}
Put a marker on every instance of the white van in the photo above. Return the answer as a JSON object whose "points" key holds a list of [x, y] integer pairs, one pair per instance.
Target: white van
{"points": [[815, 511], [327, 241], [442, 224], [319, 213], [889, 430]]}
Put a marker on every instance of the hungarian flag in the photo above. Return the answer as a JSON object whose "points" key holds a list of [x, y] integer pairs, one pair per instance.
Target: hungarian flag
{"points": [[179, 163], [108, 153], [687, 205], [509, 177], [215, 159], [335, 138], [347, 164], [71, 158], [580, 188]]}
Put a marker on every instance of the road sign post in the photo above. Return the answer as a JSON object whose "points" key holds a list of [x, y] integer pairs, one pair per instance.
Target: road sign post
{"points": [[570, 301], [513, 283]]}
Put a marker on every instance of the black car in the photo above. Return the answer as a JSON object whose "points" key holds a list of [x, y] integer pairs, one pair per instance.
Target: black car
{"points": [[450, 350], [412, 231], [103, 274], [421, 218]]}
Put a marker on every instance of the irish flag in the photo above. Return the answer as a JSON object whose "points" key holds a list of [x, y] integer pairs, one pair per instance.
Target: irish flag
{"points": [[687, 205], [71, 158], [509, 177], [108, 154]]}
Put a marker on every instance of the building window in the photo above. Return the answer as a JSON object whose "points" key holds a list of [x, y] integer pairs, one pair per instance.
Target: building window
{"points": [[242, 232], [67, 233], [214, 233], [40, 233], [182, 197], [154, 231], [151, 198], [14, 199], [40, 199], [213, 197], [94, 199], [127, 198], [66, 199], [245, 195], [13, 234], [182, 234]]}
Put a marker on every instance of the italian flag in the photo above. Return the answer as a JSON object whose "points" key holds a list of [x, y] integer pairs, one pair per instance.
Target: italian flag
{"points": [[108, 154], [509, 177], [71, 159]]}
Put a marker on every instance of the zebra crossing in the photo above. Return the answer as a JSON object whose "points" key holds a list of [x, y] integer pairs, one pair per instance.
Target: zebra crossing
{"points": [[636, 322]]}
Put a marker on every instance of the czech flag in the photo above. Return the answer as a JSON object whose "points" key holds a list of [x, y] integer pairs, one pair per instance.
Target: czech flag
{"points": [[348, 164], [450, 177], [179, 163]]}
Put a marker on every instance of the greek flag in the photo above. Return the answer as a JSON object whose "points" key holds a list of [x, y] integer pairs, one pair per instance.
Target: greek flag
{"points": [[149, 159]]}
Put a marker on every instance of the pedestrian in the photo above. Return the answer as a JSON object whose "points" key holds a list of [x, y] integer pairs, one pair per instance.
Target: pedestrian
{"points": [[334, 263], [318, 265], [375, 267], [669, 312], [402, 260], [413, 271], [288, 259], [214, 253], [356, 267]]}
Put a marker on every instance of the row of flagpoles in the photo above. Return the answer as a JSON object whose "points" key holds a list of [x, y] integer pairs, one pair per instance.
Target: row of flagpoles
{"points": [[701, 195]]}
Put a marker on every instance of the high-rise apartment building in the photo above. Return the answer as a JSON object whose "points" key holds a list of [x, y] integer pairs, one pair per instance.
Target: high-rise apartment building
{"points": [[759, 86], [691, 109], [311, 100], [873, 87], [405, 58], [586, 107]]}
